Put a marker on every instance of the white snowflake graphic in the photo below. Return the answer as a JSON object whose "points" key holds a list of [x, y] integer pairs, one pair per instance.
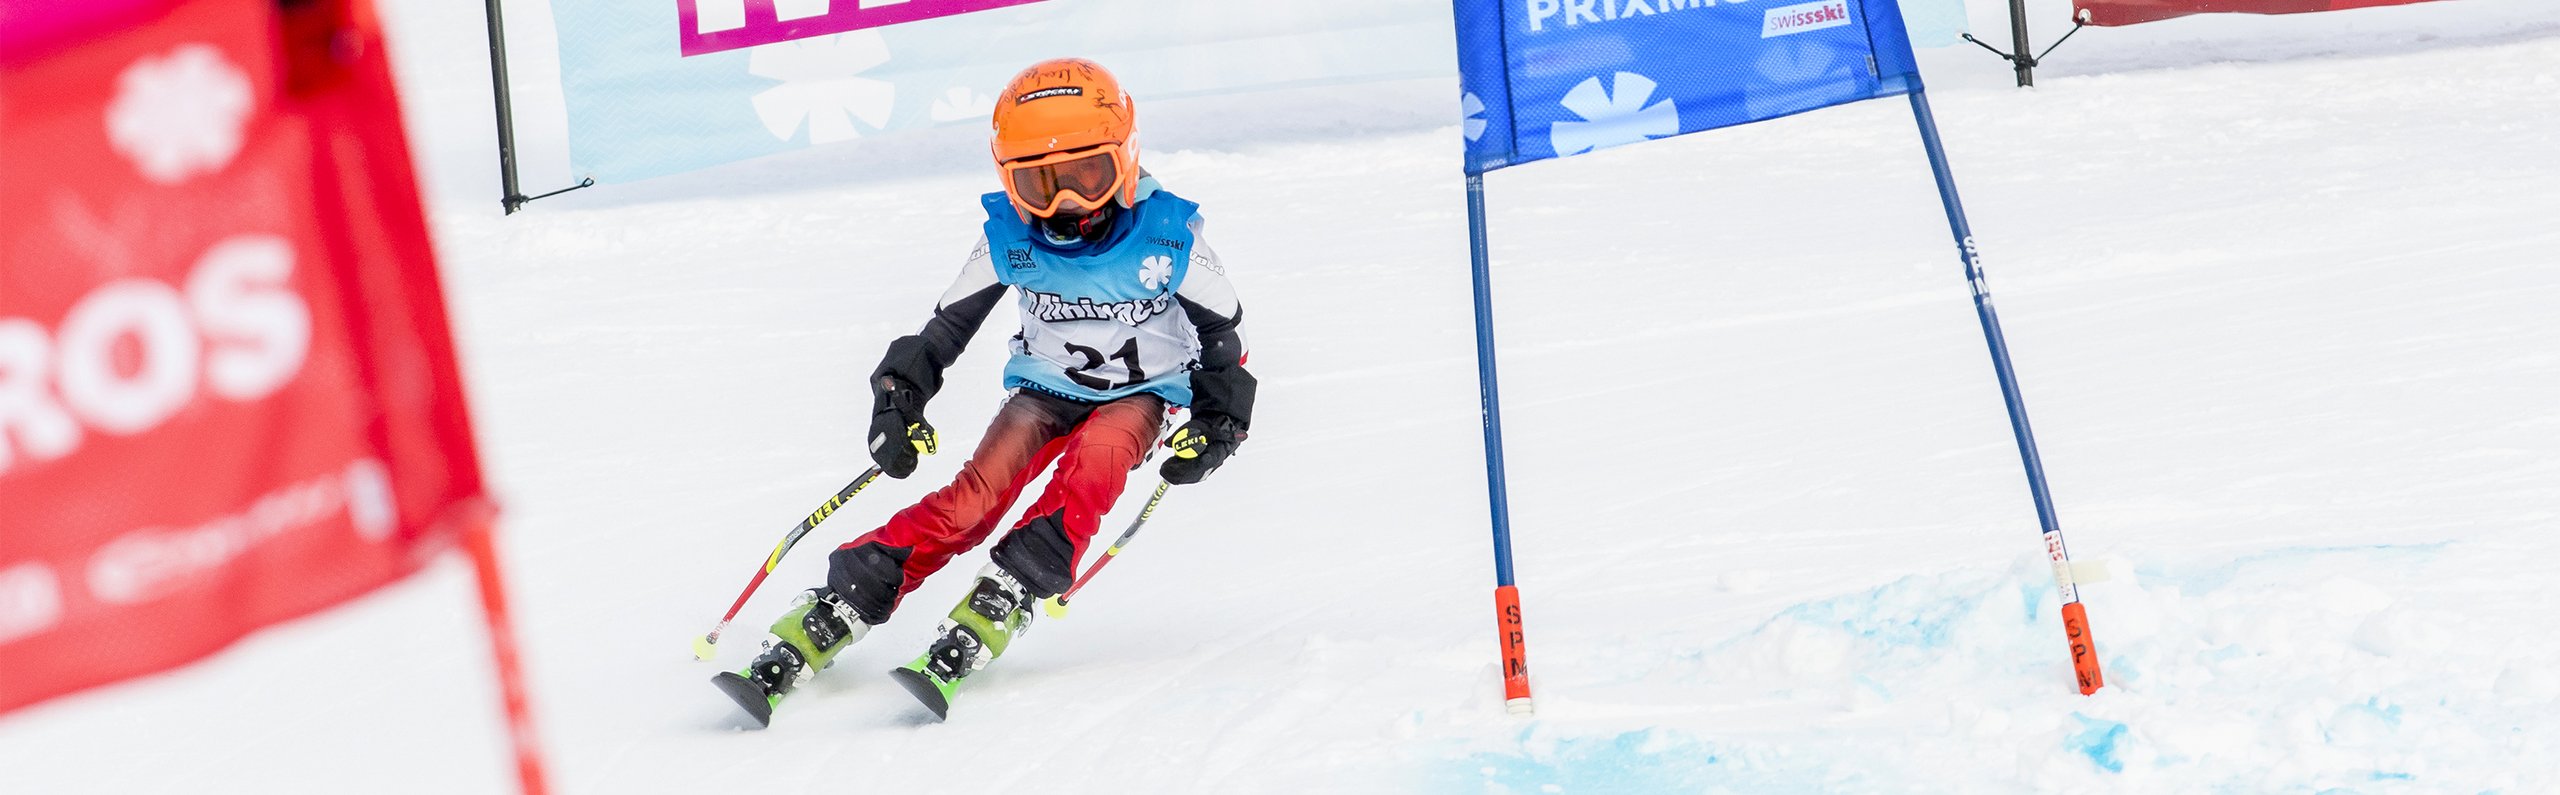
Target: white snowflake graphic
{"points": [[180, 115], [1155, 272], [1613, 118], [822, 85], [1472, 107], [960, 103]]}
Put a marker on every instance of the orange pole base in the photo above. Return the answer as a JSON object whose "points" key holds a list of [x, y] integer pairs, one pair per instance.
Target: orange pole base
{"points": [[2084, 648], [1515, 650]]}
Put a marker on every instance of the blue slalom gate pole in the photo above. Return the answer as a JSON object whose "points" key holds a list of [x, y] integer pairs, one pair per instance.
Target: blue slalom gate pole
{"points": [[1506, 594], [2075, 618]]}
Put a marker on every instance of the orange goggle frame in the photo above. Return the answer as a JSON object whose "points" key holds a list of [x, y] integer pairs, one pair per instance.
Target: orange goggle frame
{"points": [[1041, 185]]}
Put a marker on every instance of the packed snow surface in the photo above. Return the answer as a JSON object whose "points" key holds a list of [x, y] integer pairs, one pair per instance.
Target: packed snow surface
{"points": [[2284, 294]]}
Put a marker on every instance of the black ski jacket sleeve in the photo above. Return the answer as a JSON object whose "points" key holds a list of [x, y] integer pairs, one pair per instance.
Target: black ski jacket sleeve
{"points": [[920, 358], [1220, 388]]}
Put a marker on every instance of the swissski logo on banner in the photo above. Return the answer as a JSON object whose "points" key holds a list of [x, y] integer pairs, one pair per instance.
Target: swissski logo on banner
{"points": [[227, 390]]}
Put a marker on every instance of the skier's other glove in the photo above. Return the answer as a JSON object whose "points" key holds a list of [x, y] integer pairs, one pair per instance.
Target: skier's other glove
{"points": [[898, 431], [1199, 446]]}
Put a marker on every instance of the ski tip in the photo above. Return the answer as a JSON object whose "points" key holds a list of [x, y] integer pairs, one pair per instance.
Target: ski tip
{"points": [[748, 696], [704, 648], [1054, 607], [922, 687]]}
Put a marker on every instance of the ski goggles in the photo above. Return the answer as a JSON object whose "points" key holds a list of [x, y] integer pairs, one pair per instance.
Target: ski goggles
{"points": [[1041, 185]]}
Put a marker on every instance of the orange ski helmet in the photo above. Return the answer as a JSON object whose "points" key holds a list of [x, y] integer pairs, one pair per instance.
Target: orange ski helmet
{"points": [[1066, 139]]}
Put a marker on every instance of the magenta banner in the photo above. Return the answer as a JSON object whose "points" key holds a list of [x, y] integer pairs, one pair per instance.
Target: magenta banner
{"points": [[27, 26], [709, 26]]}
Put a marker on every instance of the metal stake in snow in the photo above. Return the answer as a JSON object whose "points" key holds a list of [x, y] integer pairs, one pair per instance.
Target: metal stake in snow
{"points": [[2075, 618]]}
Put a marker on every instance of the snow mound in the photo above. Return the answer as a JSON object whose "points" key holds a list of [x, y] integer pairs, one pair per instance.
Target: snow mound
{"points": [[2291, 670]]}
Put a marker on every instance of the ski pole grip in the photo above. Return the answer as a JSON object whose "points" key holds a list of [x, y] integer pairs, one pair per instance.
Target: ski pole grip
{"points": [[2084, 649], [1515, 650]]}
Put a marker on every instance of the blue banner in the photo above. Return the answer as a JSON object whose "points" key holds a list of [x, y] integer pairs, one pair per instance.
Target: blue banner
{"points": [[1556, 78]]}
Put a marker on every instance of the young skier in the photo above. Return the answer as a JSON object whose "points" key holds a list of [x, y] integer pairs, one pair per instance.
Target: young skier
{"points": [[1126, 314]]}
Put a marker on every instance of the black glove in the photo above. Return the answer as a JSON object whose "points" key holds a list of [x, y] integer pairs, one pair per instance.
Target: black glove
{"points": [[1199, 446], [898, 430]]}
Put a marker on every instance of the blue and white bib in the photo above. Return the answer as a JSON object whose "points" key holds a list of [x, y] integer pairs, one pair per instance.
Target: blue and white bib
{"points": [[1099, 320]]}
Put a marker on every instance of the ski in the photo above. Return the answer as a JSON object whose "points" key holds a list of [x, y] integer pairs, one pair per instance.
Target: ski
{"points": [[934, 692], [977, 631], [805, 640], [750, 696]]}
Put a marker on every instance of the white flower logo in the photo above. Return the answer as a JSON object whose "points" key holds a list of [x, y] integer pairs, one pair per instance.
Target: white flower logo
{"points": [[821, 84], [962, 104], [1611, 119], [1472, 107], [180, 115], [1155, 272]]}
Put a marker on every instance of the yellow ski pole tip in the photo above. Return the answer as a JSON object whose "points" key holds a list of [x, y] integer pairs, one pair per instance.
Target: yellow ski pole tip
{"points": [[702, 648], [1053, 607]]}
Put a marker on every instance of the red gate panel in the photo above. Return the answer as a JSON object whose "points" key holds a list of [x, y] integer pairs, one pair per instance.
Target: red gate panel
{"points": [[228, 395]]}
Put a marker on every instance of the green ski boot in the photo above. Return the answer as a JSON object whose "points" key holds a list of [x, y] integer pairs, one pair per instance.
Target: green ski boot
{"points": [[976, 633], [805, 640]]}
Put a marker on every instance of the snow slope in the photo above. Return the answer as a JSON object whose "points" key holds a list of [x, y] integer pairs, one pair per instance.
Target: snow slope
{"points": [[2281, 293]]}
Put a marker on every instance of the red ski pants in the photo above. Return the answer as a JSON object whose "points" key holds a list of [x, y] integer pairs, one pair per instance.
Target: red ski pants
{"points": [[1095, 447]]}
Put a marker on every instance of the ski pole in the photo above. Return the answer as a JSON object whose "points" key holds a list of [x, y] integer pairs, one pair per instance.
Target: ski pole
{"points": [[1056, 606], [704, 646]]}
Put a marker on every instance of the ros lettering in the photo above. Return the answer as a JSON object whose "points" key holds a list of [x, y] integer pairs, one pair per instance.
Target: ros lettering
{"points": [[133, 352]]}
